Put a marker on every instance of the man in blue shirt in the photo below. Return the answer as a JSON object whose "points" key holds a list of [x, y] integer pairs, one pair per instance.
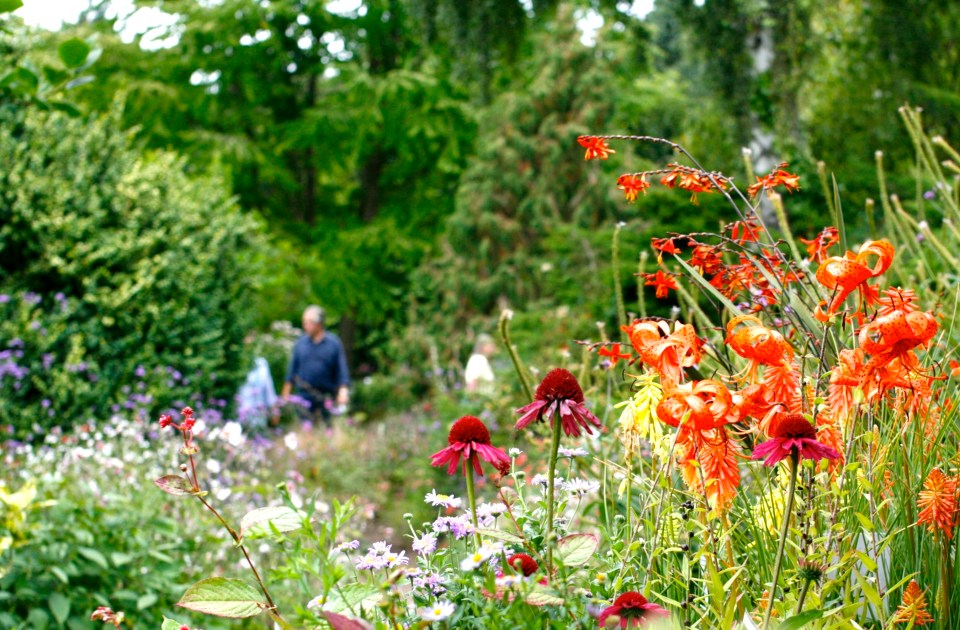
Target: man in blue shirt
{"points": [[318, 366]]}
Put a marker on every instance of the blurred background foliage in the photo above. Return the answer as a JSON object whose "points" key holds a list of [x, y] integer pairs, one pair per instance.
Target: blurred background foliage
{"points": [[409, 164]]}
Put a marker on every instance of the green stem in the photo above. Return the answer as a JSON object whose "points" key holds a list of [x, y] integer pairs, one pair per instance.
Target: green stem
{"points": [[505, 337], [803, 596], [551, 499], [472, 499], [787, 513], [618, 288]]}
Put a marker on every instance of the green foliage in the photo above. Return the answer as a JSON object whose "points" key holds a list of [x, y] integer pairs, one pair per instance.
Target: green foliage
{"points": [[115, 260]]}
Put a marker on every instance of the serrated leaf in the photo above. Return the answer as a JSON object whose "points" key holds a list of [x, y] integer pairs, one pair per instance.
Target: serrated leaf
{"points": [[264, 520], [73, 52], [799, 621], [541, 596], [496, 534], [174, 484], [60, 607], [575, 549], [223, 597], [339, 622], [6, 6]]}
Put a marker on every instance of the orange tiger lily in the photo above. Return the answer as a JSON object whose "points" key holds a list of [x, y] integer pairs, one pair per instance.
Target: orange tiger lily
{"points": [[668, 353], [850, 273], [757, 343]]}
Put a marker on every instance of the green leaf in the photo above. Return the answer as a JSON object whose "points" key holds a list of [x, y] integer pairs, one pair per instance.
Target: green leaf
{"points": [[119, 559], [575, 549], [541, 596], [60, 574], [223, 597], [799, 621], [6, 6], [174, 484], [352, 596], [506, 537], [708, 288], [60, 607], [170, 624], [146, 601], [265, 520], [73, 52], [869, 591], [94, 556]]}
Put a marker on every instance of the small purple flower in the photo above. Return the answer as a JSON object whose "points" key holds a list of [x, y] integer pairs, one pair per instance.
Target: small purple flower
{"points": [[45, 403], [140, 372], [31, 298], [4, 298], [48, 360], [930, 195]]}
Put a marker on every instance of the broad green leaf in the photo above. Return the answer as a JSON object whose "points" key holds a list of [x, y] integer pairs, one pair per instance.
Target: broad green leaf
{"points": [[94, 556], [264, 520], [60, 574], [146, 601], [223, 597], [869, 591], [6, 6], [170, 624], [73, 52], [352, 596], [575, 549], [541, 596], [174, 484], [506, 537], [60, 607], [799, 621]]}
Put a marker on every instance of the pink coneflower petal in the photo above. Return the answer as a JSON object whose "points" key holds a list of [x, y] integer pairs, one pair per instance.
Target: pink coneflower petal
{"points": [[469, 440], [529, 413]]}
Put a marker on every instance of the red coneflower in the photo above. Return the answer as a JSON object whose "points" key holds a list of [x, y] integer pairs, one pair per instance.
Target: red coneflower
{"points": [[523, 563], [560, 393], [790, 431], [469, 437], [633, 609]]}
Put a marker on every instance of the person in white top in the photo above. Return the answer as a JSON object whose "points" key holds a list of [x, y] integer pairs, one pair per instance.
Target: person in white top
{"points": [[478, 375]]}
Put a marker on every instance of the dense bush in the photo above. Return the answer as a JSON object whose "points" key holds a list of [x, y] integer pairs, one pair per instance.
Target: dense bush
{"points": [[109, 260]]}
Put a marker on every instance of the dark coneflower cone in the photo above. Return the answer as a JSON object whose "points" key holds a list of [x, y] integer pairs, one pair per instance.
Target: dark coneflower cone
{"points": [[523, 563], [792, 425], [469, 429], [559, 384]]}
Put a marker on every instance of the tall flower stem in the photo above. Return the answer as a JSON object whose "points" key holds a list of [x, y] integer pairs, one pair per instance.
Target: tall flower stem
{"points": [[551, 499], [784, 531], [472, 498], [517, 365], [803, 596]]}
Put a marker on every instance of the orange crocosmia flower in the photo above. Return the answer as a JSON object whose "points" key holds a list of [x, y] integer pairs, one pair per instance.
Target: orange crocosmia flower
{"points": [[697, 182], [613, 353], [706, 259], [745, 231], [596, 147], [631, 185], [670, 179], [665, 245], [897, 300], [845, 275], [913, 608], [937, 503], [666, 352], [778, 177], [663, 281], [705, 404], [817, 247]]}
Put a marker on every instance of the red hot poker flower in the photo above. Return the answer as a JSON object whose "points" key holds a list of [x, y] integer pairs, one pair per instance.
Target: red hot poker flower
{"points": [[633, 610], [631, 185], [469, 438], [938, 503], [913, 608], [596, 147], [559, 393], [790, 431]]}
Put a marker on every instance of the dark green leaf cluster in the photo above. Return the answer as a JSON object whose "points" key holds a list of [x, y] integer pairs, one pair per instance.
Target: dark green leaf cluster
{"points": [[111, 260]]}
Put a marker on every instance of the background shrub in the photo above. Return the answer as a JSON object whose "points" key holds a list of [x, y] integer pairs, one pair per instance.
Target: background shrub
{"points": [[109, 260]]}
